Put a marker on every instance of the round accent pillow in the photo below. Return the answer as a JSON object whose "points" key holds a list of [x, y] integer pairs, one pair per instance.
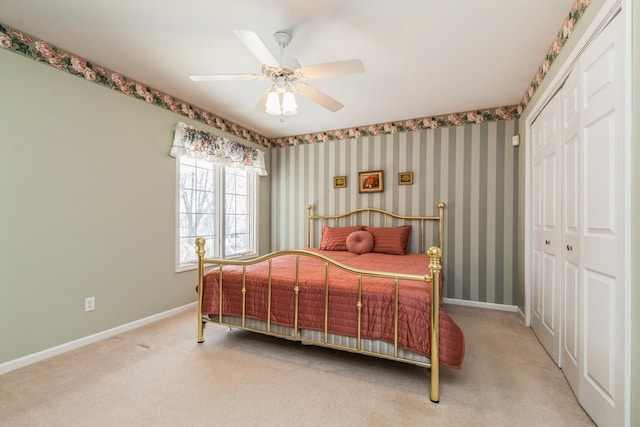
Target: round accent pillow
{"points": [[360, 242]]}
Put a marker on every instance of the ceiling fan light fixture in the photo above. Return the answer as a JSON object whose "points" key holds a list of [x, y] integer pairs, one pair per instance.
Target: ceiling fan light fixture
{"points": [[272, 106], [289, 104]]}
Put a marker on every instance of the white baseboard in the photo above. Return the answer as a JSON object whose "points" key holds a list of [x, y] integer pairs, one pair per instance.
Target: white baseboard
{"points": [[490, 305], [81, 342]]}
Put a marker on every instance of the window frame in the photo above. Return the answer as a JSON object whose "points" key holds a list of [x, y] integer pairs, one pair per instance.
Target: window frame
{"points": [[219, 216]]}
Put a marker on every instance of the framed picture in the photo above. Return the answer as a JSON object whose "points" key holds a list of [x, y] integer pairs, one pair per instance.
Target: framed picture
{"points": [[339, 181], [371, 181], [405, 178]]}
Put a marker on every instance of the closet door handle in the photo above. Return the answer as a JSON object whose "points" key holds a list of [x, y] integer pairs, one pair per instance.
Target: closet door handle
{"points": [[569, 248], [547, 242]]}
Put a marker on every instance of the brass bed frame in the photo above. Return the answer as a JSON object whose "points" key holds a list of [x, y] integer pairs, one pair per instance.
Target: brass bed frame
{"points": [[326, 339]]}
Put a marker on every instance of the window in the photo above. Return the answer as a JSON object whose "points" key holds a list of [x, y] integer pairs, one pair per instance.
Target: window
{"points": [[223, 214], [238, 208]]}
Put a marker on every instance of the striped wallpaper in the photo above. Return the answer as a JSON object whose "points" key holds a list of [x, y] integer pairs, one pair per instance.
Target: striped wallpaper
{"points": [[472, 168]]}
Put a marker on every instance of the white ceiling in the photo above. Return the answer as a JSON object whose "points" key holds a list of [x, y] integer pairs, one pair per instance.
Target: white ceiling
{"points": [[422, 57]]}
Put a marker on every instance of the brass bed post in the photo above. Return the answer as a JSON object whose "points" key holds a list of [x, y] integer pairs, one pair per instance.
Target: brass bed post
{"points": [[359, 307], [308, 225], [200, 246], [269, 297], [441, 207], [296, 291], [220, 294], [326, 302], [244, 294], [434, 266], [396, 300]]}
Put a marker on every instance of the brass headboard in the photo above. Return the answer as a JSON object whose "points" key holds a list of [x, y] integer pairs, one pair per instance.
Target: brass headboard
{"points": [[363, 216]]}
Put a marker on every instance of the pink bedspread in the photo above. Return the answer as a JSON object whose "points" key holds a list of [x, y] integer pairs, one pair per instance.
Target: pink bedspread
{"points": [[377, 299]]}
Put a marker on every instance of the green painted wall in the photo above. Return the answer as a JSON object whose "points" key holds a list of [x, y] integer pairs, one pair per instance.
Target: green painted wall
{"points": [[87, 190]]}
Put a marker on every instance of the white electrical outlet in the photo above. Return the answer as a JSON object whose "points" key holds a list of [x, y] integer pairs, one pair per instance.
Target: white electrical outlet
{"points": [[89, 303]]}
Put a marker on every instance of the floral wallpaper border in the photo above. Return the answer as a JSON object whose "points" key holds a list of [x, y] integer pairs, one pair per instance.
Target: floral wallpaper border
{"points": [[433, 122], [46, 53], [577, 11]]}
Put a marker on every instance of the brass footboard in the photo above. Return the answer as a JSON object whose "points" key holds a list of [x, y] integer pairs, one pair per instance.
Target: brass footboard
{"points": [[434, 254]]}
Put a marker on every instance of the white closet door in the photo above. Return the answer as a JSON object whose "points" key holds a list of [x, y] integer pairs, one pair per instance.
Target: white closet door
{"points": [[571, 221], [601, 389], [546, 191]]}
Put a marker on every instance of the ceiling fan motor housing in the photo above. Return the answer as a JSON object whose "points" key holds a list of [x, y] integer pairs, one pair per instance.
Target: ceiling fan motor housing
{"points": [[282, 39]]}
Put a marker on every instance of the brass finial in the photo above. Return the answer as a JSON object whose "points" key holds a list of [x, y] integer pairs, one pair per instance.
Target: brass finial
{"points": [[434, 252], [200, 245]]}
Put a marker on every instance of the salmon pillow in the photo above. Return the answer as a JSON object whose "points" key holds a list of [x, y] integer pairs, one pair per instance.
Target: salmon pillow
{"points": [[391, 240], [360, 242], [335, 238]]}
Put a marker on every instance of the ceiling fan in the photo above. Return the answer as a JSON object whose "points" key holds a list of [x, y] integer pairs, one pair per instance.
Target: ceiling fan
{"points": [[286, 75]]}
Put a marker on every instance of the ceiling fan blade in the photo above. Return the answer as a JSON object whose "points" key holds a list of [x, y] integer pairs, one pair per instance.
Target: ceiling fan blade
{"points": [[353, 66], [257, 47], [317, 96], [225, 77]]}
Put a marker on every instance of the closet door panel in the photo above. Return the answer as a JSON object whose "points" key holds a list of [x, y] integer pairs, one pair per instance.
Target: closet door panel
{"points": [[536, 289], [571, 331], [599, 334], [600, 243], [602, 236], [571, 222], [551, 180], [550, 303], [600, 177], [546, 194]]}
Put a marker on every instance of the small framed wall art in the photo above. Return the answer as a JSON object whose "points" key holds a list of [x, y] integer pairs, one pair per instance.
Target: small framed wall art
{"points": [[339, 181], [405, 178], [371, 181]]}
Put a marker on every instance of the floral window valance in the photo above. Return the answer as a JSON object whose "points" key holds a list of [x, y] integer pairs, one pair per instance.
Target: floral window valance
{"points": [[196, 143]]}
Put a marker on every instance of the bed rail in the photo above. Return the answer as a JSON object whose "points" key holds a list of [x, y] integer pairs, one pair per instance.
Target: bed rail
{"points": [[433, 279]]}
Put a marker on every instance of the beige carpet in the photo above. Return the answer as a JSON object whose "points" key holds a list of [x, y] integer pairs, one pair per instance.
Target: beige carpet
{"points": [[158, 375]]}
